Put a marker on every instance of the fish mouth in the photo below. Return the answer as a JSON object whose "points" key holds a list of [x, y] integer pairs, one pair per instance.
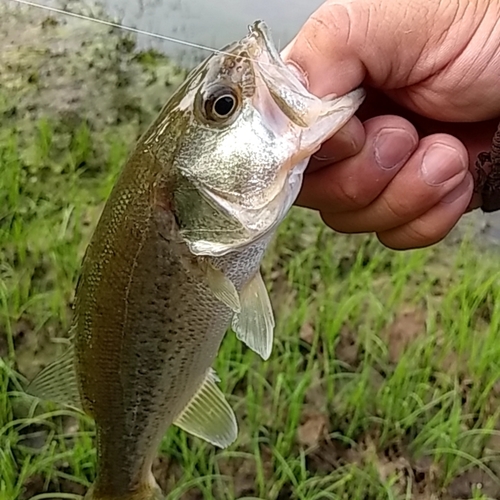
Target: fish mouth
{"points": [[286, 89], [257, 40]]}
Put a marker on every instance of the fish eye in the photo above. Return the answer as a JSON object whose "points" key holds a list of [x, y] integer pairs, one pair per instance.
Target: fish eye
{"points": [[221, 105], [224, 105]]}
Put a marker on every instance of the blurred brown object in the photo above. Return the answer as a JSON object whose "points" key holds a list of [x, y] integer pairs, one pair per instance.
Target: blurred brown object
{"points": [[488, 175]]}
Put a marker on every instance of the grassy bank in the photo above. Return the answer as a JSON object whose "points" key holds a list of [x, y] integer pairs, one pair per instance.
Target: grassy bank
{"points": [[383, 382]]}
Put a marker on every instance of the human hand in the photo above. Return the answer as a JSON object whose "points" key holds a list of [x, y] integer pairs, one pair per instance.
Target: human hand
{"points": [[403, 168]]}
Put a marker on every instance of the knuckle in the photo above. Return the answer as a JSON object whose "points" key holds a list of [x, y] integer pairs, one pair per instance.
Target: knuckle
{"points": [[396, 208], [351, 195]]}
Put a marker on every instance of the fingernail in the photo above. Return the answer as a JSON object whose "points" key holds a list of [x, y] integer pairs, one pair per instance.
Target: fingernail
{"points": [[298, 72], [319, 157], [440, 163], [393, 146]]}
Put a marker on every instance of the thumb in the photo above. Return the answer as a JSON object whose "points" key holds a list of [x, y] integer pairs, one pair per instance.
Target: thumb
{"points": [[387, 45]]}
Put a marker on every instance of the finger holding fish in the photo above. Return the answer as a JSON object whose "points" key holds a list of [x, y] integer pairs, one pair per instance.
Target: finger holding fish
{"points": [[345, 143]]}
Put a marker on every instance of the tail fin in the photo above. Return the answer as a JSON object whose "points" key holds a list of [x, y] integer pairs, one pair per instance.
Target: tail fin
{"points": [[148, 492]]}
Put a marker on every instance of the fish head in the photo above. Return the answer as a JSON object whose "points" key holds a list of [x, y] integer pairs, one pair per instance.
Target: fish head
{"points": [[248, 126]]}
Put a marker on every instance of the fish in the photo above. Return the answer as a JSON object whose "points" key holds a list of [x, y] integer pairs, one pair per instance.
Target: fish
{"points": [[174, 261]]}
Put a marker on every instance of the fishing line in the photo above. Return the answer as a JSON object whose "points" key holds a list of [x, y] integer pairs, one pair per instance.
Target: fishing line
{"points": [[116, 25], [130, 29]]}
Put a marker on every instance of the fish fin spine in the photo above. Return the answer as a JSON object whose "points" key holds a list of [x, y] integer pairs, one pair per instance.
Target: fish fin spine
{"points": [[58, 382]]}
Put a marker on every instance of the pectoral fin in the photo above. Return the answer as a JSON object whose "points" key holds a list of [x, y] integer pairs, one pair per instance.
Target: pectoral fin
{"points": [[222, 287], [57, 382], [208, 415], [254, 324]]}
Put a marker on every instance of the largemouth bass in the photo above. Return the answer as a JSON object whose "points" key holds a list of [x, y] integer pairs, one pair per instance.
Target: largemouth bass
{"points": [[174, 260]]}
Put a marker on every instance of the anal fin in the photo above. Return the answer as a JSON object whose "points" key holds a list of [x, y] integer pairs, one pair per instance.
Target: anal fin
{"points": [[208, 415], [254, 324], [57, 382]]}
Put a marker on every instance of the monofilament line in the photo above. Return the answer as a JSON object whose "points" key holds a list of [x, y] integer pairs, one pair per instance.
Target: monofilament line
{"points": [[115, 25], [111, 24]]}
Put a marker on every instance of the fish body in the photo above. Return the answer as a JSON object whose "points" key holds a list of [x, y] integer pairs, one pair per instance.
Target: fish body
{"points": [[174, 260]]}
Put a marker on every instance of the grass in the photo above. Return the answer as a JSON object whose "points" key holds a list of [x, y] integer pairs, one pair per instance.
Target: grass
{"points": [[383, 382]]}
